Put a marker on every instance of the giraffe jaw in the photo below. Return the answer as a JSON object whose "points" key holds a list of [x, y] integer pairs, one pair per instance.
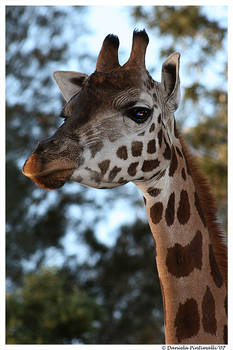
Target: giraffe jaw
{"points": [[53, 180], [94, 179]]}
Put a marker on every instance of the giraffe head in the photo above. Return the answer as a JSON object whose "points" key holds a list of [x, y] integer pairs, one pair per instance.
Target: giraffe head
{"points": [[118, 122]]}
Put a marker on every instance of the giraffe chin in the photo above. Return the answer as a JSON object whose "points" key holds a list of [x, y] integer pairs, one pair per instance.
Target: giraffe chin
{"points": [[54, 180]]}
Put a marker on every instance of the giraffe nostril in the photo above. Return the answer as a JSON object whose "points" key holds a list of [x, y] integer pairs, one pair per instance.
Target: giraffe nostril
{"points": [[38, 148]]}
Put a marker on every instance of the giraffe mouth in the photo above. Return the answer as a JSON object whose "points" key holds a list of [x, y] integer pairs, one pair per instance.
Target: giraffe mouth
{"points": [[53, 180], [50, 175]]}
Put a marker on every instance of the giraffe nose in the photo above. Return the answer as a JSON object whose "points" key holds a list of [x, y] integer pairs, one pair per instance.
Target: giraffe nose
{"points": [[46, 144], [32, 165]]}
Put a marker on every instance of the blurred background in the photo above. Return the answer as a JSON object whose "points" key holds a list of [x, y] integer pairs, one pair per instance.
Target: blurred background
{"points": [[80, 262]]}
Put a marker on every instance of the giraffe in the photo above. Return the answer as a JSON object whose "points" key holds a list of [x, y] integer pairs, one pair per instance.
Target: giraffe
{"points": [[119, 126]]}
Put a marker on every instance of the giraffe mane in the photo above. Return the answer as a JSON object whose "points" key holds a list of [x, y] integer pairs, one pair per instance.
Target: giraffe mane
{"points": [[215, 229]]}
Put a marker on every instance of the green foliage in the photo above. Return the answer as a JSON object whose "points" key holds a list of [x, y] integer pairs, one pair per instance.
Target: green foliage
{"points": [[124, 278], [209, 139], [52, 307], [32, 226], [50, 310], [186, 24]]}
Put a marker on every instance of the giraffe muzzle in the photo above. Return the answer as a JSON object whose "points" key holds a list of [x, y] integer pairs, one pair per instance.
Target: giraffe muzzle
{"points": [[48, 175]]}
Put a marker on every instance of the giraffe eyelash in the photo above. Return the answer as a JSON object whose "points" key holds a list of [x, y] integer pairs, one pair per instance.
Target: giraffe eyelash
{"points": [[63, 116], [67, 110]]}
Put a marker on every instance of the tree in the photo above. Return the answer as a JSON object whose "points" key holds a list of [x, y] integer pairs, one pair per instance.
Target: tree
{"points": [[118, 278], [209, 140], [33, 226], [98, 302], [123, 278], [48, 309]]}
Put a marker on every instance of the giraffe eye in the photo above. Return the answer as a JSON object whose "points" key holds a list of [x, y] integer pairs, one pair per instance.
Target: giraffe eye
{"points": [[139, 114]]}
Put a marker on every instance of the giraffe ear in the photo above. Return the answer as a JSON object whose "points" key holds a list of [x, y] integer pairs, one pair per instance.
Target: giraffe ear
{"points": [[70, 83], [171, 81]]}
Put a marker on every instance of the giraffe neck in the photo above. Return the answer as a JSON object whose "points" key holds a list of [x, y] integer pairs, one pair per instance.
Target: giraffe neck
{"points": [[194, 292]]}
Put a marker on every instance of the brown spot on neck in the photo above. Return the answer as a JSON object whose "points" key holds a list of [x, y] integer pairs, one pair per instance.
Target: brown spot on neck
{"points": [[149, 165], [167, 152], [183, 212], [208, 312], [215, 272], [156, 212], [183, 174], [160, 137], [199, 208], [187, 321], [170, 210], [181, 261], [174, 163], [151, 147]]}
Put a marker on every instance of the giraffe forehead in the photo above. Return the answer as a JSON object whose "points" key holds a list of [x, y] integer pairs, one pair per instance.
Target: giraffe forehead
{"points": [[102, 90], [101, 94], [114, 87], [119, 79]]}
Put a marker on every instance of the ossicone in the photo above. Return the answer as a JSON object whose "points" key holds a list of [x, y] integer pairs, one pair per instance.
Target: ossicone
{"points": [[138, 51], [108, 56]]}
